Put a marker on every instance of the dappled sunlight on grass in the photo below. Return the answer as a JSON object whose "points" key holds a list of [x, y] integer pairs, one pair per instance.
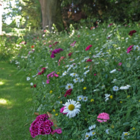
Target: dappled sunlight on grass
{"points": [[1, 83], [3, 101]]}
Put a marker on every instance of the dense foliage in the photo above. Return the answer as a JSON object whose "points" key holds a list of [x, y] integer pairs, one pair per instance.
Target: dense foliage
{"points": [[86, 82]]}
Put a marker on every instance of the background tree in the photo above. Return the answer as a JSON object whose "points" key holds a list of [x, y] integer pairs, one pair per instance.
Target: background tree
{"points": [[1, 9], [51, 13]]}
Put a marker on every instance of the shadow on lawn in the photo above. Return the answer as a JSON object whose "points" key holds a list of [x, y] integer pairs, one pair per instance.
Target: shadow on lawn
{"points": [[16, 105]]}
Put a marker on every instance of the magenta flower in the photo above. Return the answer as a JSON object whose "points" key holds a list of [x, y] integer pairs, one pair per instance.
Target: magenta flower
{"points": [[41, 126], [103, 117], [70, 54], [132, 32], [68, 92], [72, 44], [110, 24], [89, 60], [95, 74], [50, 45], [129, 49], [48, 81], [62, 109], [88, 47], [58, 130], [120, 64]]}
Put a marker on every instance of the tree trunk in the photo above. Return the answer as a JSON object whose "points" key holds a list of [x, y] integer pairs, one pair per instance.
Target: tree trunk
{"points": [[51, 13], [1, 9]]}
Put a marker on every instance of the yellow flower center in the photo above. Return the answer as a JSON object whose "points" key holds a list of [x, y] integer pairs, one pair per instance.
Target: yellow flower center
{"points": [[69, 86], [71, 107], [80, 98], [87, 136], [93, 133], [125, 134], [92, 100], [85, 98], [111, 96]]}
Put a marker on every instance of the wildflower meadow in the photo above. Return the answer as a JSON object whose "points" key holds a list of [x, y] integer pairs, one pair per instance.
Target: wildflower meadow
{"points": [[86, 82]]}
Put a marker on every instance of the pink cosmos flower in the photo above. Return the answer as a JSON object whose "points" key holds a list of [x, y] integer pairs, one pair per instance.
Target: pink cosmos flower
{"points": [[72, 44], [61, 58], [88, 47], [129, 49], [50, 45], [95, 74], [103, 117], [62, 109], [48, 81]]}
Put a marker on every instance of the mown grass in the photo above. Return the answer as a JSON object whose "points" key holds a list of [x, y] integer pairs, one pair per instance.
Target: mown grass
{"points": [[15, 104]]}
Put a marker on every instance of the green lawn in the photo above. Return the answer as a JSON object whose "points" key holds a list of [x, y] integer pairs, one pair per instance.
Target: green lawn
{"points": [[16, 112]]}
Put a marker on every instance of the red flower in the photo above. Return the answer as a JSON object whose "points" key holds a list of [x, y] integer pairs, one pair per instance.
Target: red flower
{"points": [[55, 43], [88, 47], [68, 92], [70, 54], [34, 85], [89, 60], [32, 46], [132, 32]]}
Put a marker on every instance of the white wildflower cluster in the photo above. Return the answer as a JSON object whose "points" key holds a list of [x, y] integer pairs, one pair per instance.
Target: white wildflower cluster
{"points": [[82, 98]]}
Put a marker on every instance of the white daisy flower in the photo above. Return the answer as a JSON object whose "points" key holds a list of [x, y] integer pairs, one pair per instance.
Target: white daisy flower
{"points": [[85, 98], [114, 80], [113, 71], [136, 47], [67, 66], [86, 72], [125, 87], [92, 133], [31, 84], [69, 86], [28, 78], [64, 73], [92, 127], [96, 90], [80, 97], [72, 108], [107, 97], [86, 67], [73, 74], [107, 131], [124, 135], [76, 80], [103, 86], [81, 80], [87, 136], [115, 88]]}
